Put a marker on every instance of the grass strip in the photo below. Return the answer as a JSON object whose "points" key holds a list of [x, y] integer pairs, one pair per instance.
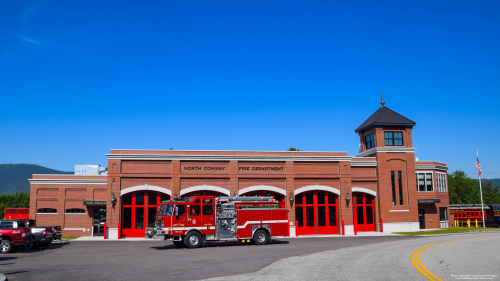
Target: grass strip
{"points": [[69, 237], [449, 230]]}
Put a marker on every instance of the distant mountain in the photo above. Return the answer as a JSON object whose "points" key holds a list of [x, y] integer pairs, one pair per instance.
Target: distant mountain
{"points": [[494, 181], [14, 177]]}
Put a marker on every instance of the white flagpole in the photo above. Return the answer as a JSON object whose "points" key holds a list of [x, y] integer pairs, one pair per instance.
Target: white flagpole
{"points": [[480, 189]]}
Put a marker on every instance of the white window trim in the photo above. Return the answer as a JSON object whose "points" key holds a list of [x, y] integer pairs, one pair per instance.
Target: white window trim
{"points": [[445, 181], [75, 213], [425, 180]]}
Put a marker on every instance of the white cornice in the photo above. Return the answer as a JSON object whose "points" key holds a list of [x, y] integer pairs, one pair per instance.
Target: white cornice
{"points": [[281, 151], [227, 157], [387, 149], [430, 167], [67, 181]]}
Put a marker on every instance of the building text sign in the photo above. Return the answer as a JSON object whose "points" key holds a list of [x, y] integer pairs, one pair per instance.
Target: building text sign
{"points": [[205, 167], [261, 167], [94, 203]]}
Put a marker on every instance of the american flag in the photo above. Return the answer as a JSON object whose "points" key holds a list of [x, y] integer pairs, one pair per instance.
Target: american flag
{"points": [[478, 166]]}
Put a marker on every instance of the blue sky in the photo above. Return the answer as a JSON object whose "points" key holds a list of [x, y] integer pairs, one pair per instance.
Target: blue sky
{"points": [[80, 78]]}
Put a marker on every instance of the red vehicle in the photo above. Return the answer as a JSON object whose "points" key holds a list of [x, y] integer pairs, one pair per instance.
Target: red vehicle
{"points": [[189, 222], [13, 237], [469, 212], [14, 213]]}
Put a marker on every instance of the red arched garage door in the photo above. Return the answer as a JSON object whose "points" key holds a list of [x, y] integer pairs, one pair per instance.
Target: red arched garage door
{"points": [[139, 211], [364, 216], [316, 213]]}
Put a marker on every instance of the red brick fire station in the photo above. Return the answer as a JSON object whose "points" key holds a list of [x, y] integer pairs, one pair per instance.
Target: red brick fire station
{"points": [[382, 184]]}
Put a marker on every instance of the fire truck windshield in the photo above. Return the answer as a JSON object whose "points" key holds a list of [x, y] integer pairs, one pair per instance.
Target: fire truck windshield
{"points": [[165, 210]]}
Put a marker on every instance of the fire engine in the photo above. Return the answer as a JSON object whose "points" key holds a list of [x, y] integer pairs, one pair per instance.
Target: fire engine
{"points": [[189, 222]]}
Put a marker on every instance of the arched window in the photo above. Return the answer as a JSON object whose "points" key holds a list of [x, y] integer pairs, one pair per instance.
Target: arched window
{"points": [[46, 211], [75, 211]]}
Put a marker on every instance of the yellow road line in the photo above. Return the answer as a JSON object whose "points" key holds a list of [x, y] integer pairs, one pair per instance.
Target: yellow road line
{"points": [[415, 258]]}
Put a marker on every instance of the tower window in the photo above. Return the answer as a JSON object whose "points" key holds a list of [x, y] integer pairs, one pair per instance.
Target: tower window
{"points": [[393, 138], [369, 141]]}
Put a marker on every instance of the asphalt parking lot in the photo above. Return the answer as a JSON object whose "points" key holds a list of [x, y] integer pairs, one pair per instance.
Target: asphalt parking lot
{"points": [[161, 260]]}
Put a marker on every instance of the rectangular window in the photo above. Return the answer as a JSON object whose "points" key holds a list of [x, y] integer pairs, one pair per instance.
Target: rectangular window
{"points": [[400, 189], [127, 199], [321, 216], [151, 198], [6, 224], [298, 199], [181, 210], [139, 198], [393, 138], [127, 217], [299, 216], [443, 213], [151, 216], [441, 182], [207, 210], [139, 217], [309, 197], [360, 214], [332, 215], [194, 210], [428, 182], [331, 198], [424, 182], [393, 189], [321, 197], [310, 215], [369, 215], [369, 141]]}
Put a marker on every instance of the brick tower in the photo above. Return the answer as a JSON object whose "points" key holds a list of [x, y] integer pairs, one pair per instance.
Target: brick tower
{"points": [[387, 136]]}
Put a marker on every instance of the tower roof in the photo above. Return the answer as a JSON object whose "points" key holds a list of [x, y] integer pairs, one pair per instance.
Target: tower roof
{"points": [[385, 117]]}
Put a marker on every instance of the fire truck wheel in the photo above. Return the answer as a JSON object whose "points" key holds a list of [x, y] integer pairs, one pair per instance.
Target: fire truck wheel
{"points": [[7, 246], [193, 240], [179, 244], [260, 237]]}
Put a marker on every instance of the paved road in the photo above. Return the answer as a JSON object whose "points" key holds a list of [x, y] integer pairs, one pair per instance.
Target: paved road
{"points": [[473, 258], [160, 260], [339, 258]]}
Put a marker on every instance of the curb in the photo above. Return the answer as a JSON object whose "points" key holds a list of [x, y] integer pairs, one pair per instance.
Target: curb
{"points": [[2, 277]]}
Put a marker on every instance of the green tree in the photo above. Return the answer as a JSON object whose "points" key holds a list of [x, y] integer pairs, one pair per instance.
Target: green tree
{"points": [[462, 189], [491, 192], [294, 149]]}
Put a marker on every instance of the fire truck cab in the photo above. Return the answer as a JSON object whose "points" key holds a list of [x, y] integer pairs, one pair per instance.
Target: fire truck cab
{"points": [[191, 221]]}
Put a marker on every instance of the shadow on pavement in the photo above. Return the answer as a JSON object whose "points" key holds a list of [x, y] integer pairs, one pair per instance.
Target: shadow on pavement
{"points": [[220, 244], [4, 259], [15, 272], [43, 248]]}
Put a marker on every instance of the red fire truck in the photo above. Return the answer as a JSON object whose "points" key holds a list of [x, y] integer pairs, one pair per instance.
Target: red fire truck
{"points": [[189, 222], [13, 213]]}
